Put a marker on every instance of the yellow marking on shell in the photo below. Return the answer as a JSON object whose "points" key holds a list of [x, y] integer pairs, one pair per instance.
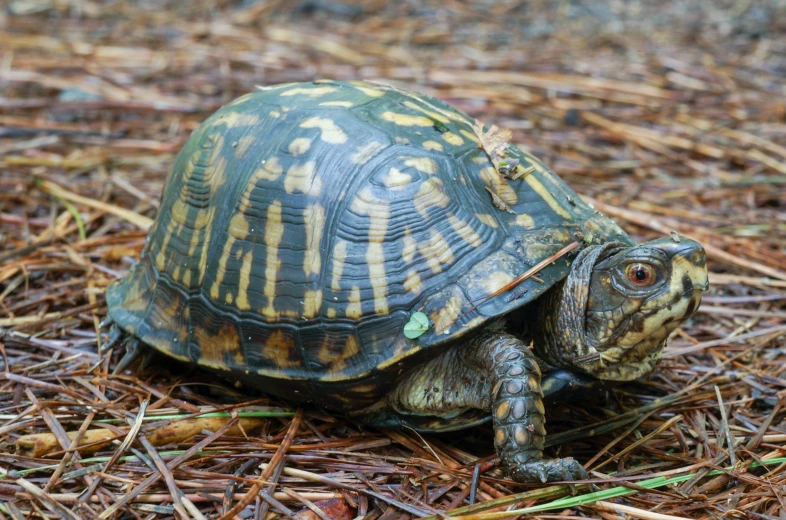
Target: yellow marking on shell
{"points": [[524, 221], [375, 258], [312, 303], [378, 212], [365, 203], [447, 316], [430, 194], [238, 226], [314, 219], [235, 119], [216, 175], [423, 164], [370, 92], [196, 239], [229, 298], [495, 281], [470, 135], [222, 267], [243, 282], [303, 178], [494, 180], [186, 278], [175, 273], [452, 114], [396, 180], [331, 312], [243, 144], [339, 257], [351, 348], [433, 145], [161, 257], [547, 197], [406, 119], [480, 159], [410, 247], [354, 310], [464, 230], [241, 99], [266, 88], [203, 258], [487, 219], [269, 171], [546, 174], [275, 114], [452, 138], [278, 349], [274, 230], [214, 347], [474, 322], [312, 92], [366, 152], [413, 283], [179, 212], [400, 139], [329, 131], [299, 146], [433, 115], [436, 251], [345, 104]]}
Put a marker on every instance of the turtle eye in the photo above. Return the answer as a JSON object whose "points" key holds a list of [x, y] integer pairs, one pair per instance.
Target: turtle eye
{"points": [[642, 275]]}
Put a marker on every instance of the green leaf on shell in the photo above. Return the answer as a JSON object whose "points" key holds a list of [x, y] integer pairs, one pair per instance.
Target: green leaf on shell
{"points": [[417, 325]]}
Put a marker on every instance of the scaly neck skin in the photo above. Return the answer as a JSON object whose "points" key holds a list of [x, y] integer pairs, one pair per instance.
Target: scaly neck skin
{"points": [[552, 342], [559, 333]]}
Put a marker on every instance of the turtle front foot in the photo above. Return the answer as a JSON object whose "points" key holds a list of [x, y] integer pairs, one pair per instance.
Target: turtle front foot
{"points": [[551, 470]]}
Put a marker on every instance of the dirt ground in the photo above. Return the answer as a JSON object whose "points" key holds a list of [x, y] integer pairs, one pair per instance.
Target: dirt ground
{"points": [[664, 115]]}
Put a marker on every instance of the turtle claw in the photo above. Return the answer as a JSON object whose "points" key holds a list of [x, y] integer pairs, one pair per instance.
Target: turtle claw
{"points": [[133, 352], [113, 338], [554, 470], [106, 322]]}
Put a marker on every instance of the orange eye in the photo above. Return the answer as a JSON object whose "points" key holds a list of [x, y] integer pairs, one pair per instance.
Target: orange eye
{"points": [[641, 274]]}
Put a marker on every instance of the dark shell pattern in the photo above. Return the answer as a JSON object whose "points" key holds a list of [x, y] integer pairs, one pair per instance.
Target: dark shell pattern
{"points": [[303, 224]]}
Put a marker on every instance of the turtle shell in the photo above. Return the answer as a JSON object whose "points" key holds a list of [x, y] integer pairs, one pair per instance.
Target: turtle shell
{"points": [[303, 224]]}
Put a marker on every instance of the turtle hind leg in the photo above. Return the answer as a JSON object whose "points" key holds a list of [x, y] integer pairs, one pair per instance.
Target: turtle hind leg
{"points": [[134, 351]]}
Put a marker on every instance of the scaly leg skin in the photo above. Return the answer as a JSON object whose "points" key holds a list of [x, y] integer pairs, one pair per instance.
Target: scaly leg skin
{"points": [[518, 412], [496, 373]]}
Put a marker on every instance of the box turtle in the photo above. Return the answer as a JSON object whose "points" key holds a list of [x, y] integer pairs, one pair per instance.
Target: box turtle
{"points": [[361, 247]]}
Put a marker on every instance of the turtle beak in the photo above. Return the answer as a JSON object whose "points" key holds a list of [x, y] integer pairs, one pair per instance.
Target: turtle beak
{"points": [[689, 261], [690, 256]]}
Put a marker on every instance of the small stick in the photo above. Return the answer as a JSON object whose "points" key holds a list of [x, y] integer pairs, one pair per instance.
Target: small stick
{"points": [[277, 459], [727, 430], [530, 273]]}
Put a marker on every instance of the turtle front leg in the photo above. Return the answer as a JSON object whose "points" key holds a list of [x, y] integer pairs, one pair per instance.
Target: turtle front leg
{"points": [[494, 372], [517, 410]]}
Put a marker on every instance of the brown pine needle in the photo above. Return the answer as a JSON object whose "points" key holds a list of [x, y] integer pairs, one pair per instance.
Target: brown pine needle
{"points": [[527, 275]]}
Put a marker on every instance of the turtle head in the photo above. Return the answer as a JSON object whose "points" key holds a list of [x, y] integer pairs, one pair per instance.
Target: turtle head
{"points": [[621, 303]]}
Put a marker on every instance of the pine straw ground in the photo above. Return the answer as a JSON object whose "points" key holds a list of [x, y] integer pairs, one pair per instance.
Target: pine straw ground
{"points": [[666, 116]]}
